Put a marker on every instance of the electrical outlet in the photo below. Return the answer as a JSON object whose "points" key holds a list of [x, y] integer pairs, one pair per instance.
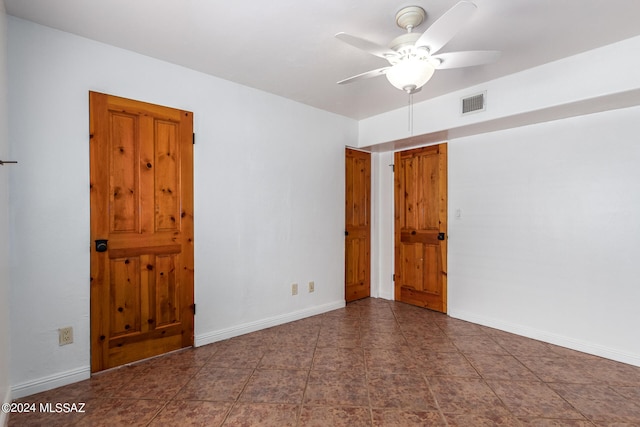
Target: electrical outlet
{"points": [[65, 336], [312, 287], [294, 289]]}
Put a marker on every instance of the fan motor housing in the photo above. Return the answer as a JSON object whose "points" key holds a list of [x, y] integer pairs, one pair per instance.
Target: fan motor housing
{"points": [[408, 39]]}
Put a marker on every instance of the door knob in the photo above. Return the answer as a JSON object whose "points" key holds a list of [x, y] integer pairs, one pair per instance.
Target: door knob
{"points": [[440, 236], [101, 245]]}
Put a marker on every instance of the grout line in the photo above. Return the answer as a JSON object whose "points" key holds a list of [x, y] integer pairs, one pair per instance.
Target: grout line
{"points": [[244, 387], [366, 366], [424, 376], [306, 383], [171, 399]]}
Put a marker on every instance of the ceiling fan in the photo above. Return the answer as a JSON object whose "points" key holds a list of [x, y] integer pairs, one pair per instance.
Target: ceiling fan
{"points": [[412, 56]]}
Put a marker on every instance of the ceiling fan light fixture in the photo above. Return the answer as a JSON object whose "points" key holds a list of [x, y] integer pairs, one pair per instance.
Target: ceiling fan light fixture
{"points": [[414, 57], [410, 74]]}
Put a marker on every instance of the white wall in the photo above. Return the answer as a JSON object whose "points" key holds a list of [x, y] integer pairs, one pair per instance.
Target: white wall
{"points": [[382, 238], [5, 393], [548, 241], [269, 197]]}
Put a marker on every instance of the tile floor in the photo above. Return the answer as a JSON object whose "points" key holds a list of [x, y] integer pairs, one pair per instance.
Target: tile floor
{"points": [[373, 363]]}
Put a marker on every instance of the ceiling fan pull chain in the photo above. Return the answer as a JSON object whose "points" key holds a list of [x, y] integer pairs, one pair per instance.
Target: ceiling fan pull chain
{"points": [[410, 108]]}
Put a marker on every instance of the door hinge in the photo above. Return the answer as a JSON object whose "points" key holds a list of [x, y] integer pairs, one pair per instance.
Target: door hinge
{"points": [[393, 168], [394, 278], [194, 309], [194, 138]]}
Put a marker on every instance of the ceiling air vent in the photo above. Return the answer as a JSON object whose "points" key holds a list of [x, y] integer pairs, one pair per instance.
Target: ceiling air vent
{"points": [[474, 104]]}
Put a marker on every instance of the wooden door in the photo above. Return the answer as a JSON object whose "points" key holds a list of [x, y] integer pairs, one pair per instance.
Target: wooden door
{"points": [[421, 227], [358, 225], [141, 167]]}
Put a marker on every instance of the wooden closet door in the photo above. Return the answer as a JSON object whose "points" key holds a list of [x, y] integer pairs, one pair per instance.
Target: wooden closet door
{"points": [[421, 227], [358, 225], [141, 166]]}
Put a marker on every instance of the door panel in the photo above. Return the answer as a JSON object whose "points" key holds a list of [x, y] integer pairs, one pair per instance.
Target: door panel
{"points": [[124, 174], [357, 225], [142, 203], [125, 270], [167, 161], [420, 220]]}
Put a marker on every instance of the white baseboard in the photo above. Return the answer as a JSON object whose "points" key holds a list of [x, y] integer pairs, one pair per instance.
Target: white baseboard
{"points": [[4, 417], [548, 337], [245, 328], [63, 378], [50, 382]]}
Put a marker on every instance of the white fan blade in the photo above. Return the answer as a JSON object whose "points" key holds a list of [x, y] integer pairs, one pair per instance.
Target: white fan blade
{"points": [[366, 45], [367, 75], [447, 26], [466, 59]]}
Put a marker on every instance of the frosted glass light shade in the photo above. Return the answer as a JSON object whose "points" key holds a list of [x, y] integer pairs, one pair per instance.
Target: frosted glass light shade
{"points": [[410, 74]]}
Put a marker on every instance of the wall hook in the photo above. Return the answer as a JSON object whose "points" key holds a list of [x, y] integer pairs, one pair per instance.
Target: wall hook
{"points": [[2, 162]]}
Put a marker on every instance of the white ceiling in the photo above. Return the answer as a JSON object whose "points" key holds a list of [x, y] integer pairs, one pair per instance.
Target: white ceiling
{"points": [[287, 47]]}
